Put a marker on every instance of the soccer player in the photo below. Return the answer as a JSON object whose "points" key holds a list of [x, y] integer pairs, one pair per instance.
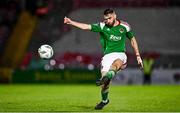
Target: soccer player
{"points": [[113, 33]]}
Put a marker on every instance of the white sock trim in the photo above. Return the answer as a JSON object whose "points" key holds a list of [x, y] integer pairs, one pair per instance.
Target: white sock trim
{"points": [[105, 101]]}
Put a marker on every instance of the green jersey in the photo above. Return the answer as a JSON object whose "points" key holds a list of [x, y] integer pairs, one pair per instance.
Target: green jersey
{"points": [[113, 38]]}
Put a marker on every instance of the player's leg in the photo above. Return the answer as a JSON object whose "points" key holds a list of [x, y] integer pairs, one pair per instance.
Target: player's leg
{"points": [[115, 67], [104, 95], [111, 64], [147, 79], [105, 82], [105, 89]]}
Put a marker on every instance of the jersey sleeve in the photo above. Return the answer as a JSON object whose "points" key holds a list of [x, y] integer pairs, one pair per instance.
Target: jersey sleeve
{"points": [[129, 32], [98, 27]]}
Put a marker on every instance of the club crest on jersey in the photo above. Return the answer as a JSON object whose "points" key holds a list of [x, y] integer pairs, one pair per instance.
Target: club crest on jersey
{"points": [[121, 30]]}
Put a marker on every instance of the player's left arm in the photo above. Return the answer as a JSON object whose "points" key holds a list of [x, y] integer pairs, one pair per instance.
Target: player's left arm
{"points": [[130, 35], [136, 50]]}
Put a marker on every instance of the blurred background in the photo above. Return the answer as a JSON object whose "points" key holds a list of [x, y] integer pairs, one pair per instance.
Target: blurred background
{"points": [[27, 24]]}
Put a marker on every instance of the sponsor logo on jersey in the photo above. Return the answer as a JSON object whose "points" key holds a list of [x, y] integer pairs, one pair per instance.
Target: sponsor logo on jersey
{"points": [[115, 38]]}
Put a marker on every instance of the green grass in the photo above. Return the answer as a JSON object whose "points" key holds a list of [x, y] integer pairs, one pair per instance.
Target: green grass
{"points": [[48, 98]]}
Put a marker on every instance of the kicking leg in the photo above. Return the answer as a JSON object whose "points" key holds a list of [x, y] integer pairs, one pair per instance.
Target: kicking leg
{"points": [[115, 67]]}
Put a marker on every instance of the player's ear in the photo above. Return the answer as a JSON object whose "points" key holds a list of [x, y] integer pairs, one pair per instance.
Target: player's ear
{"points": [[115, 15]]}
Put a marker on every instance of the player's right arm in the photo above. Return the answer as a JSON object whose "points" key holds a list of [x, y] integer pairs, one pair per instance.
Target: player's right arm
{"points": [[77, 24]]}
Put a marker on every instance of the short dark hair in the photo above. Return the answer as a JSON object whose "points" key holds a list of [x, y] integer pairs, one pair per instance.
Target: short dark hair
{"points": [[108, 11]]}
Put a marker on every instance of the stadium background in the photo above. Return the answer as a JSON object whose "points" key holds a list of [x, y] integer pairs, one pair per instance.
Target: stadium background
{"points": [[27, 24]]}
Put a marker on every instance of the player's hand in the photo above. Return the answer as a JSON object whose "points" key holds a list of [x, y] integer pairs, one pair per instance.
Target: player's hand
{"points": [[140, 63], [67, 20]]}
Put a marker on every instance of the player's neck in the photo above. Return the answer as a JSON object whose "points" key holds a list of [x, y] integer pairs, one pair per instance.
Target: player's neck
{"points": [[117, 22]]}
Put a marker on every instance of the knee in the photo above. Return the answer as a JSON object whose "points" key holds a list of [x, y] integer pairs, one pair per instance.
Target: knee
{"points": [[103, 73], [117, 64], [123, 66]]}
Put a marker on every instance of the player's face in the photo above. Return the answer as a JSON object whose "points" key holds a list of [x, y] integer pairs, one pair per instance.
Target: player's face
{"points": [[109, 19]]}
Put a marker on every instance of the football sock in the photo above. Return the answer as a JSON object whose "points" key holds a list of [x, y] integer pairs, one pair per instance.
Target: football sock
{"points": [[104, 95], [104, 101], [110, 74]]}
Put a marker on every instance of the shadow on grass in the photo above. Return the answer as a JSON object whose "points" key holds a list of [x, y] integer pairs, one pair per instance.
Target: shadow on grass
{"points": [[83, 107]]}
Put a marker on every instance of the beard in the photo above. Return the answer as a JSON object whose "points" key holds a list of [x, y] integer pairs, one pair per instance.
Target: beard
{"points": [[111, 24]]}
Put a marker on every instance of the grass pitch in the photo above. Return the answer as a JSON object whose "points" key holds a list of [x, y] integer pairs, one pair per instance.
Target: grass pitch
{"points": [[57, 98]]}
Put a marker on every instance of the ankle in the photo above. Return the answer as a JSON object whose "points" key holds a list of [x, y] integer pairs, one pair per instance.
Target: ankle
{"points": [[105, 101]]}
